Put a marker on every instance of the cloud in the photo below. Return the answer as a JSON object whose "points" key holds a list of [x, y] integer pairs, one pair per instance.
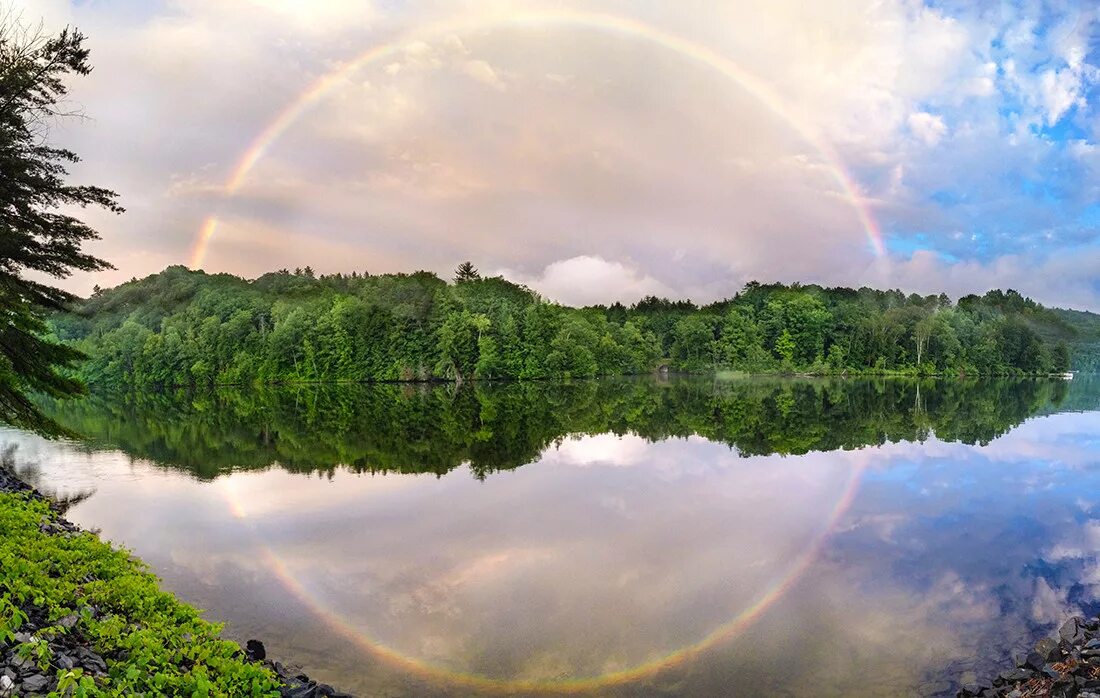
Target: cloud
{"points": [[602, 449], [1060, 90], [483, 72], [588, 280], [1066, 277], [929, 128]]}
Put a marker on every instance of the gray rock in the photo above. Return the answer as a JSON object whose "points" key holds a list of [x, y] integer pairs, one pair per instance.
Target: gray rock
{"points": [[68, 621], [64, 661], [35, 683], [1071, 631], [1014, 675], [91, 660], [6, 684], [1093, 643], [1048, 649], [1035, 661], [20, 664]]}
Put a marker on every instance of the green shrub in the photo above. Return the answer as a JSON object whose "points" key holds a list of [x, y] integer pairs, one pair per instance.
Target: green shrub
{"points": [[151, 642]]}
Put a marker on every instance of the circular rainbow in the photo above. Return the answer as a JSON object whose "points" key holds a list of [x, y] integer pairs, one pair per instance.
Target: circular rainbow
{"points": [[582, 684], [596, 21]]}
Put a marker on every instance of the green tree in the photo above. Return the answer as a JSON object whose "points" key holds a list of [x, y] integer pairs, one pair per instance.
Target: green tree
{"points": [[785, 348], [1060, 358], [458, 345], [466, 272], [36, 236], [693, 342], [742, 342]]}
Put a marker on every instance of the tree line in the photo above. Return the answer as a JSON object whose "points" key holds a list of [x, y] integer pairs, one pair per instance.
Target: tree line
{"points": [[190, 328], [435, 428]]}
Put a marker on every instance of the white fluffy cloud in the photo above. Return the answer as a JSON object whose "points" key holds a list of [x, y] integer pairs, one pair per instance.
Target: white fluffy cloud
{"points": [[587, 280], [929, 128]]}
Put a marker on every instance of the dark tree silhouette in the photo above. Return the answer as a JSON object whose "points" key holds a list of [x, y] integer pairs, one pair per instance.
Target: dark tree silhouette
{"points": [[35, 236], [466, 272]]}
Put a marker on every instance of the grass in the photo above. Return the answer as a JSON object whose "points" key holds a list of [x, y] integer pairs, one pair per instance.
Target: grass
{"points": [[150, 641]]}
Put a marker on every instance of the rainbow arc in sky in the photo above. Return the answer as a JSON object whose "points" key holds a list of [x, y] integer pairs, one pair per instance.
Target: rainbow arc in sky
{"points": [[592, 21]]}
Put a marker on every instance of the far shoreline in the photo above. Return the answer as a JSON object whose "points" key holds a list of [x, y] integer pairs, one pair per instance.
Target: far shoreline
{"points": [[718, 375]]}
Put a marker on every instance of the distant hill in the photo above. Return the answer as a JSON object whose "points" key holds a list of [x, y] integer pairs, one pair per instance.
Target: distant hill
{"points": [[190, 328]]}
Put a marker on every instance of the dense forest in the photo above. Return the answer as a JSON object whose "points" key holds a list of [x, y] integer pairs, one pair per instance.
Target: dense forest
{"points": [[1086, 342], [189, 328], [426, 428]]}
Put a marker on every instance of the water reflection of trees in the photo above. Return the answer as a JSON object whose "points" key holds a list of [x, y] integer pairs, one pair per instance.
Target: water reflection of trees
{"points": [[436, 428]]}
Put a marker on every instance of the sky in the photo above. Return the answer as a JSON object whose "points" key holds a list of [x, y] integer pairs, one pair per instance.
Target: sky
{"points": [[598, 150]]}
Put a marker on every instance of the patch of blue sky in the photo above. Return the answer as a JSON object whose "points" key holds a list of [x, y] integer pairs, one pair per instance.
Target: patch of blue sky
{"points": [[1068, 128], [904, 246], [948, 198], [1090, 216]]}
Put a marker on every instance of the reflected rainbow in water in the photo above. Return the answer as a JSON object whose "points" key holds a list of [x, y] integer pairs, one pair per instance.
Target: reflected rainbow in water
{"points": [[726, 631]]}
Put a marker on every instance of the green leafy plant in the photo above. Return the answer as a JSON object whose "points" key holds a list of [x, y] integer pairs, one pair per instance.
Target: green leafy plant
{"points": [[150, 642]]}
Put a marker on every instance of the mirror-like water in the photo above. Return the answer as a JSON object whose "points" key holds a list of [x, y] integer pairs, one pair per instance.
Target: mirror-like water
{"points": [[631, 537]]}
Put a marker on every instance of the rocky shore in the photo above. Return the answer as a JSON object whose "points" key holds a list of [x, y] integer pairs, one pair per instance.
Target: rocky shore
{"points": [[1062, 666], [41, 651]]}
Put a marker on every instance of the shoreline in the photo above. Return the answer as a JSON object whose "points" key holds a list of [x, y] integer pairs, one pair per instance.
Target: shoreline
{"points": [[80, 615], [718, 374], [1063, 665]]}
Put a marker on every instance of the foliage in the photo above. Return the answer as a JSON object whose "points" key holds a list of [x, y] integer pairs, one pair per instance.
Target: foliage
{"points": [[187, 328], [152, 643], [466, 272], [36, 238], [1085, 352], [436, 428]]}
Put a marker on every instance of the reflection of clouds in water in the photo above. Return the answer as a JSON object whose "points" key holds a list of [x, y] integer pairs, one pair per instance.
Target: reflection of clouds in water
{"points": [[603, 449], [533, 571], [1086, 543], [948, 549], [1050, 605], [989, 542]]}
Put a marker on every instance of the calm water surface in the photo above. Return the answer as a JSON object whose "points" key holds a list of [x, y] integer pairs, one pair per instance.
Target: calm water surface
{"points": [[639, 537]]}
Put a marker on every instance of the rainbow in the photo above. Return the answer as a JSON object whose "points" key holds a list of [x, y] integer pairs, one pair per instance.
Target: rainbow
{"points": [[584, 684], [595, 21]]}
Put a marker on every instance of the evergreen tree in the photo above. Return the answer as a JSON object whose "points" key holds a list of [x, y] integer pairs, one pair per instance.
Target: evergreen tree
{"points": [[466, 272], [35, 236]]}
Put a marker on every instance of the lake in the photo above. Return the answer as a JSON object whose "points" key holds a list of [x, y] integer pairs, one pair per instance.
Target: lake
{"points": [[645, 537]]}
